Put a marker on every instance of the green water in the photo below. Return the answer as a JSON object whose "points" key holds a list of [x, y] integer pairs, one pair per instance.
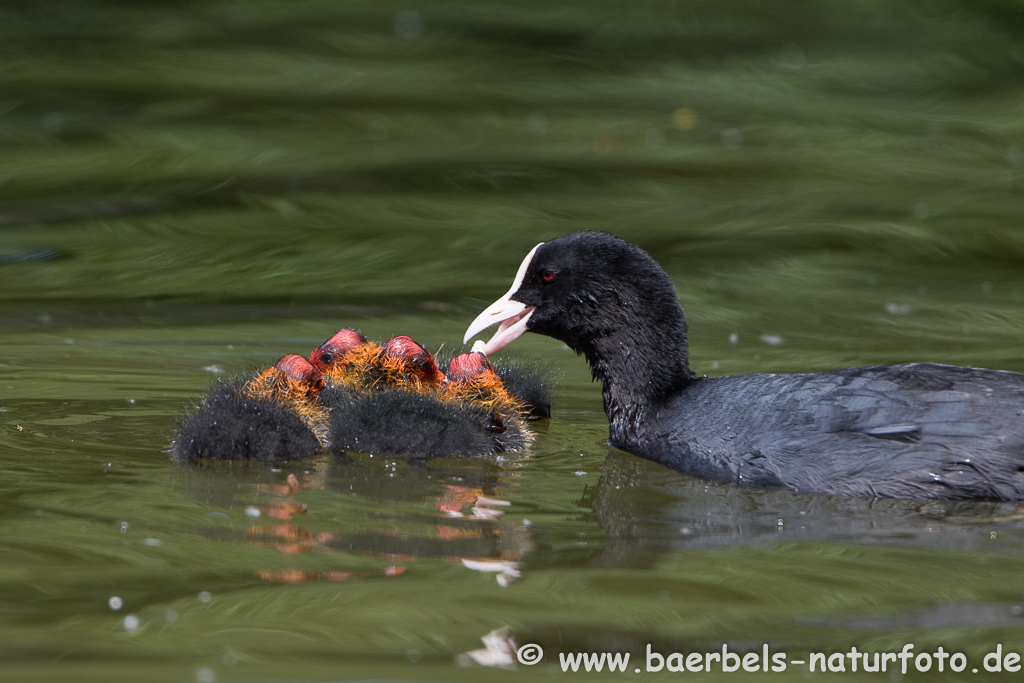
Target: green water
{"points": [[192, 188]]}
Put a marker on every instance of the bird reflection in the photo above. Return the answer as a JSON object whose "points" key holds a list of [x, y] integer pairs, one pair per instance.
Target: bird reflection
{"points": [[463, 524], [646, 511]]}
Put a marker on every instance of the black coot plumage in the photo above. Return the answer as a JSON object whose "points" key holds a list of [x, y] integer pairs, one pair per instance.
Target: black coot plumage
{"points": [[405, 424], [270, 417], [918, 430]]}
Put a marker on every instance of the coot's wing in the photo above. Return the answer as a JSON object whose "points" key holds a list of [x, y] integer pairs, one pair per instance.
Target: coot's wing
{"points": [[908, 431]]}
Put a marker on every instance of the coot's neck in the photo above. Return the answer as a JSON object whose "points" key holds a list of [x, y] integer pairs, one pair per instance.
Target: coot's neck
{"points": [[642, 360]]}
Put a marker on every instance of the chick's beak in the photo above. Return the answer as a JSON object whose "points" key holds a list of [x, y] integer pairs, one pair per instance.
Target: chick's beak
{"points": [[512, 315]]}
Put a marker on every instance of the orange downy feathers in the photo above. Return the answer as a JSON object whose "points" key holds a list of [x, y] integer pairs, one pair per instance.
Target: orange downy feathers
{"points": [[293, 380]]}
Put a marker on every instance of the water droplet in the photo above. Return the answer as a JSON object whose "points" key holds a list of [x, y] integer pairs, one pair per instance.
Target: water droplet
{"points": [[791, 56], [1015, 155], [377, 130], [53, 123], [684, 118], [732, 138], [537, 122], [408, 24], [654, 138], [899, 309]]}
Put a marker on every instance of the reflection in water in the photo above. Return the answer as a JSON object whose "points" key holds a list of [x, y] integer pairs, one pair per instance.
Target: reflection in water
{"points": [[383, 503], [397, 514], [499, 650], [671, 541], [300, 576], [646, 510], [942, 615]]}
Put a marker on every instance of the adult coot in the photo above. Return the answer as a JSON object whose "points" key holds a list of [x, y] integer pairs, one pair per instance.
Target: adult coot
{"points": [[918, 430]]}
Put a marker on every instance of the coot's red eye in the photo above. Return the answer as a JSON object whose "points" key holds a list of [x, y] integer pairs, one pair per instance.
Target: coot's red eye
{"points": [[547, 275]]}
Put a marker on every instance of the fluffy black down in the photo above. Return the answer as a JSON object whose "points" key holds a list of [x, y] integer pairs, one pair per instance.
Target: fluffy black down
{"points": [[230, 426]]}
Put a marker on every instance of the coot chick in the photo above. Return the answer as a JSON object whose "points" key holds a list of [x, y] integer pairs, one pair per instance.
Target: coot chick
{"points": [[380, 401], [526, 382], [348, 361], [414, 411], [345, 348], [403, 424], [917, 430], [406, 362], [474, 383], [271, 417]]}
